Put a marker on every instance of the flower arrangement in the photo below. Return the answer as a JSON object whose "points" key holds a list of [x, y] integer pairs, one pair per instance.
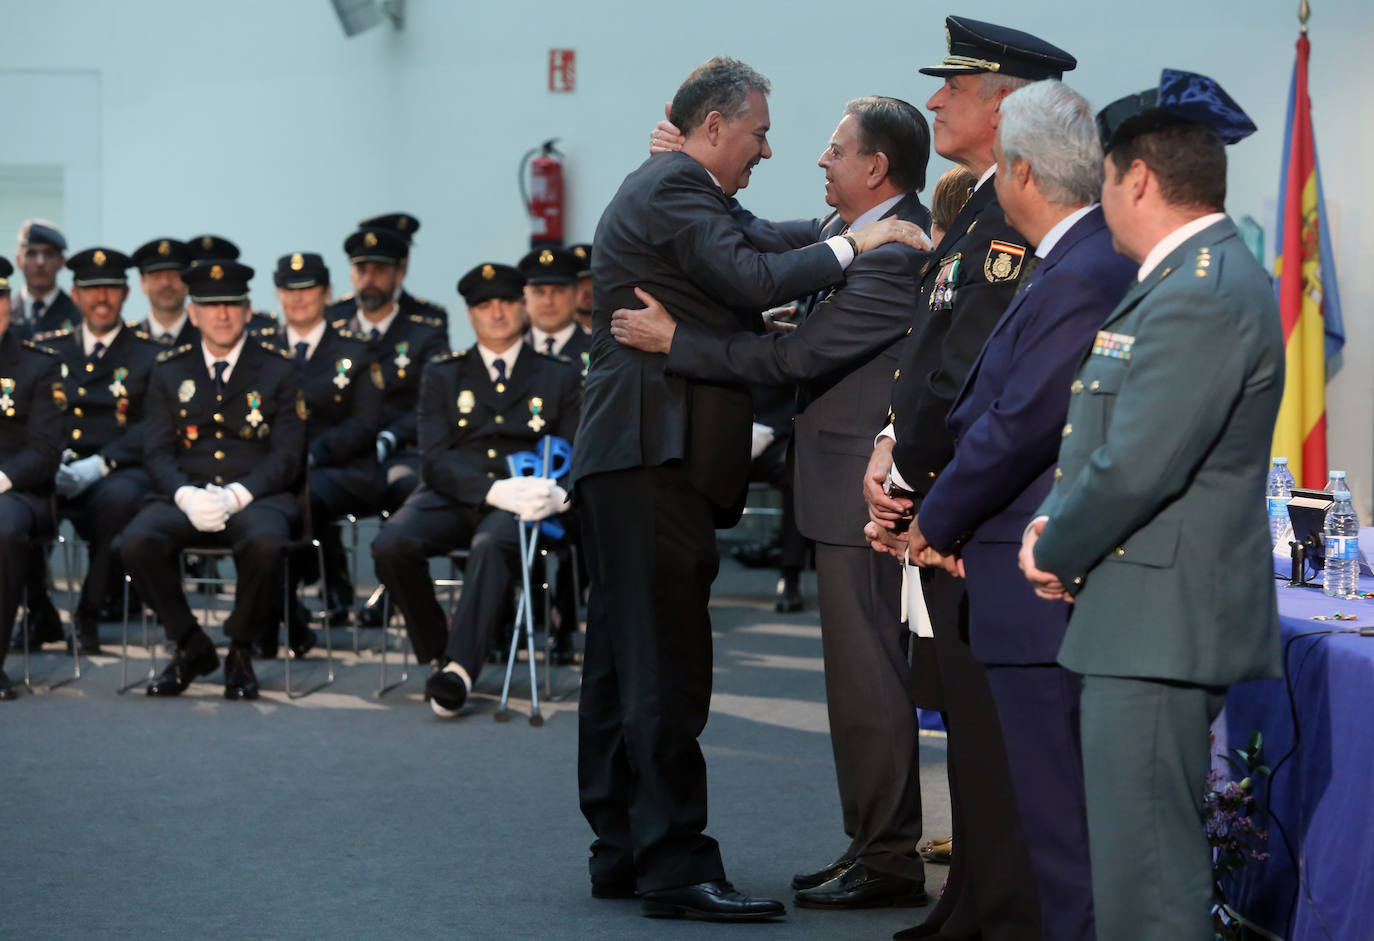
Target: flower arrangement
{"points": [[1233, 833]]}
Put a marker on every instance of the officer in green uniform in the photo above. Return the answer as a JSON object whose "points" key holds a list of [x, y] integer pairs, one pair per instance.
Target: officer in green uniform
{"points": [[1153, 527], [31, 395], [106, 366], [225, 447], [477, 406]]}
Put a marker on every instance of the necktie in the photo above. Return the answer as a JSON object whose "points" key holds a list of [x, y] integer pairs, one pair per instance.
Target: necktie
{"points": [[302, 353], [375, 335], [548, 345], [1026, 271], [500, 366], [96, 351], [38, 306], [219, 366]]}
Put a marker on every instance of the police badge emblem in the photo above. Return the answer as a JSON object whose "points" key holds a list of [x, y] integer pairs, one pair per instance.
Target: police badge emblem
{"points": [[1003, 262], [187, 390]]}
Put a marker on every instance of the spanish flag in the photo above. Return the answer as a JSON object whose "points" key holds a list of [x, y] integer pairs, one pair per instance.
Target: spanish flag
{"points": [[1305, 279]]}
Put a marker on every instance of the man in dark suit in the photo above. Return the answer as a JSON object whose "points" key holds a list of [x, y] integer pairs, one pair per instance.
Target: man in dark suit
{"points": [[402, 345], [31, 397], [102, 481], [964, 291], [477, 407], [843, 356], [225, 445], [551, 302], [1007, 421], [1153, 528], [160, 263], [41, 306], [342, 398], [403, 225], [659, 460]]}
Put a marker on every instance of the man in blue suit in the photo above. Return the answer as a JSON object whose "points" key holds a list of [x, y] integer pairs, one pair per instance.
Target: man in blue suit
{"points": [[1007, 421], [1153, 529]]}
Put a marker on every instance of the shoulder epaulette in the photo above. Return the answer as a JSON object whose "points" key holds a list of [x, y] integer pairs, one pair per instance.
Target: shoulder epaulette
{"points": [[430, 304], [52, 334], [339, 324], [274, 349], [174, 352], [263, 332], [446, 357], [132, 323], [40, 348], [348, 334], [427, 321], [1202, 262], [144, 335]]}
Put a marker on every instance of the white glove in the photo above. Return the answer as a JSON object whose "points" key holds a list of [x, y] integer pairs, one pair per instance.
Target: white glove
{"points": [[763, 437], [73, 479], [386, 445], [554, 502], [233, 497], [523, 496], [204, 509]]}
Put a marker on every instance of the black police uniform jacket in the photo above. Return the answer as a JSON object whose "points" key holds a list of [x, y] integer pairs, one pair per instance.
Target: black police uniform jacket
{"points": [[31, 400], [401, 355], [342, 394], [467, 428], [252, 434], [966, 286], [107, 398], [61, 314], [407, 303]]}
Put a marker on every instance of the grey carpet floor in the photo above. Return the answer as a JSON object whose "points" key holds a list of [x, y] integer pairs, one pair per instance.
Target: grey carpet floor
{"points": [[344, 816]]}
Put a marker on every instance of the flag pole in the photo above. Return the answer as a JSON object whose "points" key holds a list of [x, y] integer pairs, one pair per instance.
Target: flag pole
{"points": [[1304, 14]]}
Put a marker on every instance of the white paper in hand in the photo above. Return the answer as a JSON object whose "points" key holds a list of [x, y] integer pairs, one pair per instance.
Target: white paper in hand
{"points": [[914, 611]]}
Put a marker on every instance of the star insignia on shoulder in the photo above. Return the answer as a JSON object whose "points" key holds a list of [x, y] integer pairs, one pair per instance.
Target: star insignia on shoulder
{"points": [[52, 335], [30, 344], [427, 321], [444, 357], [174, 352]]}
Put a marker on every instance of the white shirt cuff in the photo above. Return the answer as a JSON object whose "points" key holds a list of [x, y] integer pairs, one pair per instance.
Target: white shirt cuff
{"points": [[894, 475], [844, 252], [1031, 524]]}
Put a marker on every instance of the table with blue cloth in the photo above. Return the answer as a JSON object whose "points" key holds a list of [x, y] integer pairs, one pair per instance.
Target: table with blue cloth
{"points": [[1321, 884]]}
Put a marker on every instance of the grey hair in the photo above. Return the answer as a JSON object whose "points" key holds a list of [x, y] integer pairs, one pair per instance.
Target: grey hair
{"points": [[1051, 127], [990, 83], [719, 84]]}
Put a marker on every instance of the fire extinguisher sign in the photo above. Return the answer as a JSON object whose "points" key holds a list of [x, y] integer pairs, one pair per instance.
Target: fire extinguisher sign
{"points": [[562, 70]]}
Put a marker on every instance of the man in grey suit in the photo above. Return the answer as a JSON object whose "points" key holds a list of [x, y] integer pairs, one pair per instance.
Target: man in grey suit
{"points": [[1152, 529], [843, 356], [658, 461]]}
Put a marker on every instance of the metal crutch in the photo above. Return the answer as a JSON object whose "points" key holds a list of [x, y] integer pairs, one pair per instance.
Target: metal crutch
{"points": [[529, 541]]}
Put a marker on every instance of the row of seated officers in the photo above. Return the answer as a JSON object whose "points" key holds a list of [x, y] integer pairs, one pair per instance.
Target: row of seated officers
{"points": [[150, 448]]}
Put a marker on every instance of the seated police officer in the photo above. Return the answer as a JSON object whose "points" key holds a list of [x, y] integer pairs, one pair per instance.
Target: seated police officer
{"points": [[102, 482], [401, 345], [404, 225], [476, 407], [160, 263], [342, 400], [224, 446], [30, 446], [218, 248], [551, 300]]}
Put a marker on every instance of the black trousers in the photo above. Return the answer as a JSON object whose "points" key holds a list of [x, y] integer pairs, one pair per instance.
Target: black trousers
{"points": [[646, 681], [257, 534], [991, 889], [774, 467], [400, 475], [873, 727], [19, 527], [99, 514], [330, 500], [429, 525]]}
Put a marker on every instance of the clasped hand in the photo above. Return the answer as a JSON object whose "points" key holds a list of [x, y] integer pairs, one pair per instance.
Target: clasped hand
{"points": [[530, 498], [1047, 585]]}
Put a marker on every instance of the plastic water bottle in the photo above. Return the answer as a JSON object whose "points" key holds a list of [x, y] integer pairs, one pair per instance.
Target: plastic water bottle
{"points": [[1278, 491], [1336, 482], [1341, 539]]}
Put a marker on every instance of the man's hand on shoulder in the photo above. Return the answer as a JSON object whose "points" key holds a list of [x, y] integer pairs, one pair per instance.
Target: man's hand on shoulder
{"points": [[649, 328], [665, 137], [887, 230]]}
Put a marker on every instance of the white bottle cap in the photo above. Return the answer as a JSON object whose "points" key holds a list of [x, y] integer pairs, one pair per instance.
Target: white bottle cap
{"points": [[1280, 460]]}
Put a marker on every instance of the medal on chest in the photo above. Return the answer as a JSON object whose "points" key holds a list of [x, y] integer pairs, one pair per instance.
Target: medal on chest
{"points": [[402, 358], [7, 396], [1113, 345], [186, 391], [254, 406], [466, 401], [942, 294], [117, 388], [341, 369], [536, 421]]}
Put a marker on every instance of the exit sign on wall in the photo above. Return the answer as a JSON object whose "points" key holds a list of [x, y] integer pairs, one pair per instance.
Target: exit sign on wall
{"points": [[562, 70]]}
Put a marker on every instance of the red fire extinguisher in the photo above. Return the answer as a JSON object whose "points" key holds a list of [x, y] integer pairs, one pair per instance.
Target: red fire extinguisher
{"points": [[543, 197]]}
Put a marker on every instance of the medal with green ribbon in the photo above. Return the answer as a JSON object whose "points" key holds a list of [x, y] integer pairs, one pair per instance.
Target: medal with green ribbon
{"points": [[254, 404], [6, 396], [117, 387]]}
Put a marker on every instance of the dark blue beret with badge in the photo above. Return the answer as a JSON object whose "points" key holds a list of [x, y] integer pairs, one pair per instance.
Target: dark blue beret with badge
{"points": [[99, 267], [38, 232], [491, 280], [212, 246], [380, 245], [162, 255], [218, 281], [402, 223], [301, 270], [1180, 98], [975, 47], [550, 265]]}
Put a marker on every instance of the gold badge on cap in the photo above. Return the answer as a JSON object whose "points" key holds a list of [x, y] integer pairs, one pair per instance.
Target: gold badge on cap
{"points": [[216, 273], [580, 252], [488, 272], [297, 262], [98, 258], [164, 248], [546, 257], [370, 240], [466, 401], [403, 223], [207, 242], [187, 390]]}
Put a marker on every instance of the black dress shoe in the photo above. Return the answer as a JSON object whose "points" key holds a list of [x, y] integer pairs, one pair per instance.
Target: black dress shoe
{"points": [[7, 693], [709, 901], [809, 880], [370, 615], [239, 680], [860, 887], [196, 657], [789, 595], [298, 633], [45, 626], [446, 693]]}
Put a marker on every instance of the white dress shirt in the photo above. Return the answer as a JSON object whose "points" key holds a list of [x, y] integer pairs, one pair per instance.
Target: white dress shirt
{"points": [[1173, 240], [89, 340], [508, 357], [311, 339], [156, 330], [538, 338]]}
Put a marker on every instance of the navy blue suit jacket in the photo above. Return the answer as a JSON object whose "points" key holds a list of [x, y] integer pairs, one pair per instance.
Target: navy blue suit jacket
{"points": [[1007, 422]]}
